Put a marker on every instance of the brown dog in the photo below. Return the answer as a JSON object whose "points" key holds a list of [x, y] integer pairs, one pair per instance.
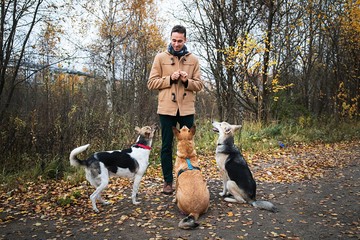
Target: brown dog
{"points": [[192, 194]]}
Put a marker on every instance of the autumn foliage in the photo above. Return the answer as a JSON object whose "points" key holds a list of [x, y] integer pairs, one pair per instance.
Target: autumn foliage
{"points": [[57, 199]]}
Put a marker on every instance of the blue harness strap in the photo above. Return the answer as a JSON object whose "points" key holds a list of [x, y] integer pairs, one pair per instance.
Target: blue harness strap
{"points": [[190, 167]]}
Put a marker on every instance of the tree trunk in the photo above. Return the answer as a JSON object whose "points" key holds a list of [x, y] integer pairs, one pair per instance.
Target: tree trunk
{"points": [[263, 97]]}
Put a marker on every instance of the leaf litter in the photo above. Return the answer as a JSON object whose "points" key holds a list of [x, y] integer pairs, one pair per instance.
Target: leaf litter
{"points": [[60, 202]]}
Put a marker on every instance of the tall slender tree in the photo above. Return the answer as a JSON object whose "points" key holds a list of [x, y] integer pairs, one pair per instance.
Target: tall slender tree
{"points": [[18, 19]]}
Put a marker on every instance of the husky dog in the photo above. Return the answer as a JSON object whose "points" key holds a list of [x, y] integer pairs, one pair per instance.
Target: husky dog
{"points": [[192, 194], [129, 163], [238, 181]]}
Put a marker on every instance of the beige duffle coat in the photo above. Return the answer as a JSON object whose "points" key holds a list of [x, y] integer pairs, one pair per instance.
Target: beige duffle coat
{"points": [[175, 96]]}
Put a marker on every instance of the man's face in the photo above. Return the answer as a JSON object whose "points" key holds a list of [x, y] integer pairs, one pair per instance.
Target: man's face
{"points": [[177, 41]]}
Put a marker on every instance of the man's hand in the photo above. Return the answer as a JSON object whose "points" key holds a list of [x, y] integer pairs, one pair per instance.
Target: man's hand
{"points": [[175, 76], [183, 76]]}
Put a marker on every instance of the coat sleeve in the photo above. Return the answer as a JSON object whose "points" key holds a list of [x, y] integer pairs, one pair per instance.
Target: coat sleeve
{"points": [[156, 80]]}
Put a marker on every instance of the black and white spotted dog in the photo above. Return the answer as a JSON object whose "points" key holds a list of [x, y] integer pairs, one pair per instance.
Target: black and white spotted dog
{"points": [[129, 163]]}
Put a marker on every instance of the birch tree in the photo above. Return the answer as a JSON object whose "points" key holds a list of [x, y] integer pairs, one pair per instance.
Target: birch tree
{"points": [[121, 26]]}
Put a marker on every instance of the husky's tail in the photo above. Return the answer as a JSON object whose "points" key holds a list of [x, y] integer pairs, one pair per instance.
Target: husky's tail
{"points": [[74, 161], [188, 223], [264, 205]]}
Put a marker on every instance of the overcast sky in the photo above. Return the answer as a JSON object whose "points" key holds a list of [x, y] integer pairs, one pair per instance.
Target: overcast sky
{"points": [[166, 11]]}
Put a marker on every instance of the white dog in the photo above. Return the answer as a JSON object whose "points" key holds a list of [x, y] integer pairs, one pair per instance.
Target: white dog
{"points": [[129, 163]]}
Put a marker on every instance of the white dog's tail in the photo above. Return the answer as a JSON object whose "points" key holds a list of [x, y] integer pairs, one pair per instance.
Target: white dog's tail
{"points": [[74, 161], [264, 205], [188, 223]]}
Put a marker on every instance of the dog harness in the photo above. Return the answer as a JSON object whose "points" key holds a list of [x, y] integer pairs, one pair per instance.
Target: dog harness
{"points": [[190, 167], [143, 146]]}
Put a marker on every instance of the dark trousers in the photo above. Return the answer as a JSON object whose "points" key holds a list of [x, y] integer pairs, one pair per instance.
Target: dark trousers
{"points": [[167, 137]]}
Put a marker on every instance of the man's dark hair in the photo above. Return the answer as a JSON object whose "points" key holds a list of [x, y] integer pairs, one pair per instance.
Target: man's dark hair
{"points": [[179, 29]]}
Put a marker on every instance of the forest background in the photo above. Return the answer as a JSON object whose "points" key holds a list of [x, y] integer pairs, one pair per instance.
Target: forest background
{"points": [[75, 72]]}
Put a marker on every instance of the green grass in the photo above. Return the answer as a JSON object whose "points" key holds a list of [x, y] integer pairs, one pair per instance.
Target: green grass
{"points": [[255, 137]]}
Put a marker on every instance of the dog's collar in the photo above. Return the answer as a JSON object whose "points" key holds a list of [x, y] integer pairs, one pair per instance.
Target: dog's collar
{"points": [[143, 146]]}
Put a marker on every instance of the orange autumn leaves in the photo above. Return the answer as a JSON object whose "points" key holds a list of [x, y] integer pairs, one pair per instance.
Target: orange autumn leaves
{"points": [[293, 164], [301, 162], [56, 199]]}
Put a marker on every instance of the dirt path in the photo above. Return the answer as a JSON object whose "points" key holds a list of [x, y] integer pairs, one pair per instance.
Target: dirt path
{"points": [[323, 208]]}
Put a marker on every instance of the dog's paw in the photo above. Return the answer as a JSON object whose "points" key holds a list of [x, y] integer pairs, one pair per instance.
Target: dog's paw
{"points": [[136, 202], [230, 199], [106, 203], [96, 210], [222, 194]]}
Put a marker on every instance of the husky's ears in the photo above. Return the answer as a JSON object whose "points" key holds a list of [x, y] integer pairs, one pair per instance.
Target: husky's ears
{"points": [[236, 127], [227, 130]]}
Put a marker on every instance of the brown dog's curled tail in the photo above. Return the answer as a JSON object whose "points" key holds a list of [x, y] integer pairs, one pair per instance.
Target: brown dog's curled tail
{"points": [[188, 223]]}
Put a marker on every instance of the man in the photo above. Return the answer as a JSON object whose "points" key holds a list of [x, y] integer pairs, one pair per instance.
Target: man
{"points": [[176, 74]]}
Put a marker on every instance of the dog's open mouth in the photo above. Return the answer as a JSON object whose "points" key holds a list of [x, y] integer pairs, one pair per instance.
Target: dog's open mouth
{"points": [[215, 129]]}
